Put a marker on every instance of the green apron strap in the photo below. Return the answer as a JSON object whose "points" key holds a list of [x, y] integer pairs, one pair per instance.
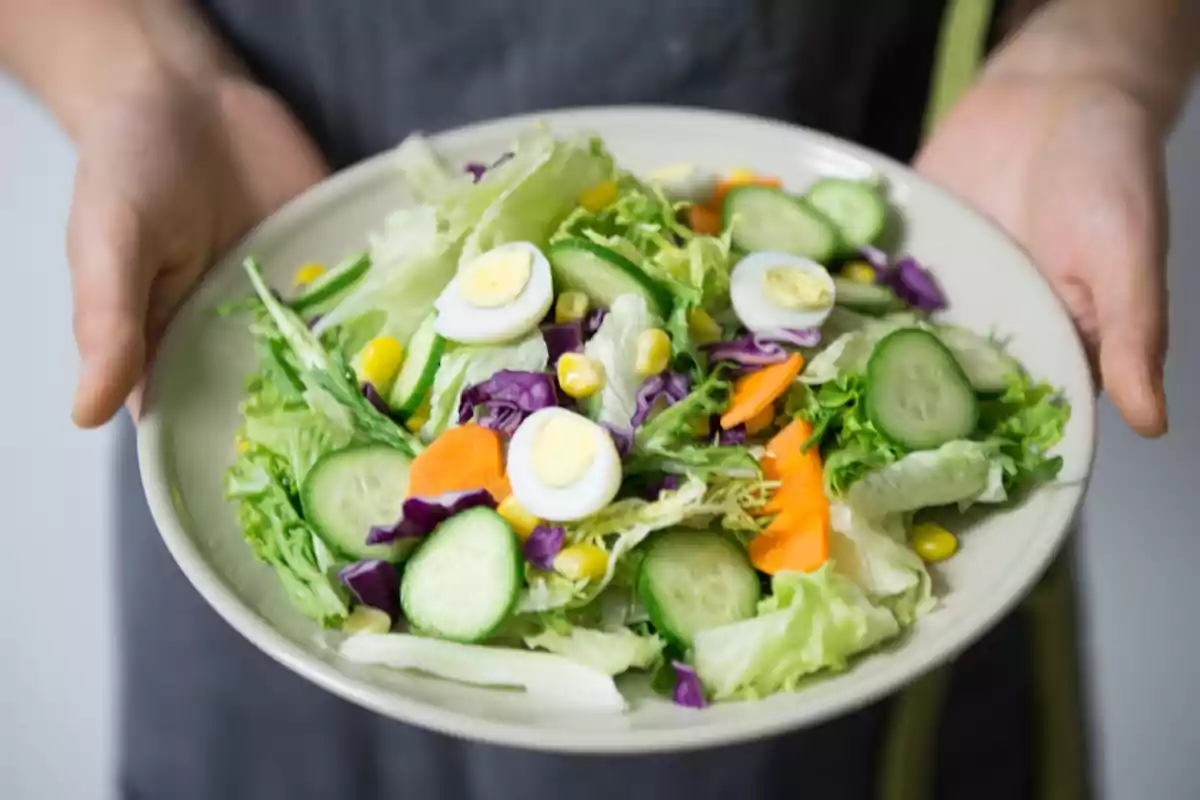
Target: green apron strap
{"points": [[960, 53], [1062, 754]]}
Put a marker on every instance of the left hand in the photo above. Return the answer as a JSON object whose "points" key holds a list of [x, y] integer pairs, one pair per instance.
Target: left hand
{"points": [[1072, 168]]}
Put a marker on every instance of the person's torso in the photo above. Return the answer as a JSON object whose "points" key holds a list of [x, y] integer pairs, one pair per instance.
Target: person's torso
{"points": [[363, 74]]}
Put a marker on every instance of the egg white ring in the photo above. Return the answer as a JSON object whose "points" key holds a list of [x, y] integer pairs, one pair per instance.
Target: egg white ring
{"points": [[756, 310], [459, 321], [596, 488]]}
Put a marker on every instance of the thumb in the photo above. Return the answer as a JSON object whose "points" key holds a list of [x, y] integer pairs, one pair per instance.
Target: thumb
{"points": [[1131, 313], [109, 288]]}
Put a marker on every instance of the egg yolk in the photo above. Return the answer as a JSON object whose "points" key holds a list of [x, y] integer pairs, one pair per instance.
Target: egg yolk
{"points": [[791, 287], [496, 278], [563, 450]]}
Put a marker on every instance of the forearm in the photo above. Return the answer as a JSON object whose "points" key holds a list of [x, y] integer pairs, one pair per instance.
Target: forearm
{"points": [[77, 55], [1146, 48]]}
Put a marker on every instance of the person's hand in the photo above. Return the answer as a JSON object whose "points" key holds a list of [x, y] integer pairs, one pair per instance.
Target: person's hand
{"points": [[1073, 169], [170, 174]]}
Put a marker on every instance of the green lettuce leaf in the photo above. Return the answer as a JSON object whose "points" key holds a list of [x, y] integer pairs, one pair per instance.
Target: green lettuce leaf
{"points": [[614, 345], [1023, 425], [468, 365], [267, 511], [811, 622], [667, 441], [876, 556], [328, 384], [611, 651], [959, 472], [540, 198]]}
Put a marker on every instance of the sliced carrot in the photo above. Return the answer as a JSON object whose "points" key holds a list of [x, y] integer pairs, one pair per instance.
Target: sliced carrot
{"points": [[704, 221], [798, 538], [761, 421], [786, 446], [758, 390], [725, 185], [463, 458], [802, 547]]}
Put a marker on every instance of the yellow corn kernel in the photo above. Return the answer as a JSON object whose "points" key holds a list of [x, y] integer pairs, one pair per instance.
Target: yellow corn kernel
{"points": [[578, 375], [581, 562], [741, 175], [599, 197], [933, 542], [366, 619], [703, 328], [418, 418], [701, 426], [308, 273], [859, 272], [570, 307], [760, 421], [653, 352], [518, 517], [380, 361]]}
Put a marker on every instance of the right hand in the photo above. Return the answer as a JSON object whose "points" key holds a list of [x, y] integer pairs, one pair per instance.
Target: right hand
{"points": [[170, 174]]}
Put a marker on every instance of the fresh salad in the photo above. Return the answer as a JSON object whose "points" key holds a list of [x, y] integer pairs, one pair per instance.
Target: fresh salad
{"points": [[561, 422]]}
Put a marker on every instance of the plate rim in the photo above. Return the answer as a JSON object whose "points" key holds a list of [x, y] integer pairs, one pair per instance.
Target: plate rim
{"points": [[152, 441]]}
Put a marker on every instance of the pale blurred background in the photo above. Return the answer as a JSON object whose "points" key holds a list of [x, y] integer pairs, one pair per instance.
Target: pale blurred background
{"points": [[1140, 555]]}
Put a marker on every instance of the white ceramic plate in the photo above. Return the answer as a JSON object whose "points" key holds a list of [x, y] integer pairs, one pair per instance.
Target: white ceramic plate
{"points": [[185, 439]]}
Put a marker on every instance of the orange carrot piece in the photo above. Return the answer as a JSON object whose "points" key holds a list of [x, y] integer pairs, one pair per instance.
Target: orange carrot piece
{"points": [[758, 390], [802, 547], [761, 421], [462, 458], [798, 538], [786, 447], [726, 184], [704, 221]]}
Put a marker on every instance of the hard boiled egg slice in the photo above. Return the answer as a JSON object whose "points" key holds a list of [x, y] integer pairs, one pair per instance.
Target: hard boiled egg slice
{"points": [[497, 297], [771, 291], [562, 466]]}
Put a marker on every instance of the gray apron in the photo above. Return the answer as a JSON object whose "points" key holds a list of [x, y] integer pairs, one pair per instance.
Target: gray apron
{"points": [[205, 715]]}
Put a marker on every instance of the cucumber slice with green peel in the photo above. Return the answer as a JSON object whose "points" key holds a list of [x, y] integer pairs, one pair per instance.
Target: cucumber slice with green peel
{"points": [[349, 491], [603, 275], [856, 209], [917, 394], [693, 580], [764, 218], [984, 362], [867, 298], [421, 361], [323, 293], [463, 582]]}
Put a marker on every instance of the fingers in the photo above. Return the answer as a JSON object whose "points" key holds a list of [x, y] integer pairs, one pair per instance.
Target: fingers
{"points": [[1131, 313], [109, 289]]}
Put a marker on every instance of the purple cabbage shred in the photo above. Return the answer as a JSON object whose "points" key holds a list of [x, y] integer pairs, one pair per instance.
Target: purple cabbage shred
{"points": [[420, 515], [373, 582], [543, 545], [689, 691], [503, 401]]}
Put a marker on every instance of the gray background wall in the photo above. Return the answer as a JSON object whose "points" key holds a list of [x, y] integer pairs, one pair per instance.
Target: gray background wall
{"points": [[1140, 554]]}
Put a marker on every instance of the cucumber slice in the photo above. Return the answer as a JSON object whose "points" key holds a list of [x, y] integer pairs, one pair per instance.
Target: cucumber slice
{"points": [[463, 581], [985, 363], [868, 298], [693, 580], [917, 394], [421, 362], [323, 293], [856, 209], [763, 218], [349, 491], [603, 275]]}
